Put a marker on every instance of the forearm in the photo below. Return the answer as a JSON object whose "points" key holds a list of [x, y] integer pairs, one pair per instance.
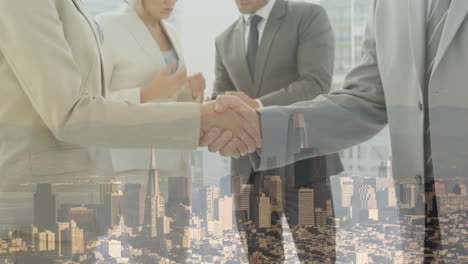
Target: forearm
{"points": [[132, 95], [302, 90], [101, 122], [316, 128]]}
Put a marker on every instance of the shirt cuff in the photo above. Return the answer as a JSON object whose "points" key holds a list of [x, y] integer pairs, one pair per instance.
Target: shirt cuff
{"points": [[275, 133], [260, 104]]}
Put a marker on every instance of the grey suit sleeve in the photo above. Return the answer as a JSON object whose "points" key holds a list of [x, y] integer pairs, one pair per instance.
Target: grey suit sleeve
{"points": [[223, 82], [333, 122], [315, 57]]}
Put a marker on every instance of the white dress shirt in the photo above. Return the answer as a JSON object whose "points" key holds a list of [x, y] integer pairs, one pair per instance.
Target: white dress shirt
{"points": [[264, 13]]}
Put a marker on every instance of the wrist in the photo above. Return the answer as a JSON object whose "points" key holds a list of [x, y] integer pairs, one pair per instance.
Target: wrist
{"points": [[148, 93], [143, 95], [207, 112]]}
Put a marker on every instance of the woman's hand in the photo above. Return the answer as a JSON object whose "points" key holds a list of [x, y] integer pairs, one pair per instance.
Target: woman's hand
{"points": [[197, 85], [164, 83]]}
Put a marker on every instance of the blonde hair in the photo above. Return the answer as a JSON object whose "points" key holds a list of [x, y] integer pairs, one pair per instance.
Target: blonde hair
{"points": [[135, 5]]}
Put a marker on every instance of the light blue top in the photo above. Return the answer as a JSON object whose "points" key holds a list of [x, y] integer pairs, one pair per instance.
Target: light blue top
{"points": [[169, 57]]}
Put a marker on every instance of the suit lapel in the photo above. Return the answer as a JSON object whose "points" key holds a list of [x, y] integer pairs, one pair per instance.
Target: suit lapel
{"points": [[271, 28], [143, 37], [240, 58], [97, 38], [457, 14], [417, 25], [174, 42]]}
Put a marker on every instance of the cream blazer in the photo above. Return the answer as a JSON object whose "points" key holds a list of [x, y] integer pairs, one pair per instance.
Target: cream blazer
{"points": [[53, 103], [131, 59]]}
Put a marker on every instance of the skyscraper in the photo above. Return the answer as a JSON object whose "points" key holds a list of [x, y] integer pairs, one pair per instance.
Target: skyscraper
{"points": [[368, 203], [154, 203], [34, 230], [70, 239], [45, 207], [344, 190], [392, 201], [179, 194], [45, 241], [108, 188], [263, 212], [348, 18], [313, 174], [386, 198], [210, 197], [112, 209], [76, 238], [84, 217], [244, 199], [306, 207], [407, 195], [61, 239], [181, 215], [133, 205], [225, 212], [320, 217], [273, 188], [301, 140]]}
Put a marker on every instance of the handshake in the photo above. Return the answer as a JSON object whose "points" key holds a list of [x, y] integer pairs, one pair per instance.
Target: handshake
{"points": [[230, 126]]}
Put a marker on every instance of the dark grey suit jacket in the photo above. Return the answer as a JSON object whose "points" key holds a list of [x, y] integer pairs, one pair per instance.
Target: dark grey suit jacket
{"points": [[294, 61]]}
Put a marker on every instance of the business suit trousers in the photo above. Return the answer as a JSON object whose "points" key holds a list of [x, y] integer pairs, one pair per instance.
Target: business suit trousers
{"points": [[298, 205]]}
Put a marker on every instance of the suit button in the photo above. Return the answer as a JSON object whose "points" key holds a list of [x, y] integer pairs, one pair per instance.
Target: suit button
{"points": [[420, 105], [418, 179]]}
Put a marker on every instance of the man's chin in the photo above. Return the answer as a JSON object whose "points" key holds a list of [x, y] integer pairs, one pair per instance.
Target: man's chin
{"points": [[245, 11]]}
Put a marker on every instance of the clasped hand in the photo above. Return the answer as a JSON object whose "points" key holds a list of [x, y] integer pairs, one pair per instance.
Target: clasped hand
{"points": [[230, 127]]}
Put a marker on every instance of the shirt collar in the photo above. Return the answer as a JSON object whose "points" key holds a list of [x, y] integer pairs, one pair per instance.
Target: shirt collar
{"points": [[263, 12]]}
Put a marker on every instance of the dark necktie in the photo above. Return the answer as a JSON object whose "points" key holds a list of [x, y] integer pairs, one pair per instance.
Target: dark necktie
{"points": [[252, 46]]}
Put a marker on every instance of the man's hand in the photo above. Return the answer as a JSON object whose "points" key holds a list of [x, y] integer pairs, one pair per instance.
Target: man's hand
{"points": [[244, 97], [197, 84], [237, 138]]}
